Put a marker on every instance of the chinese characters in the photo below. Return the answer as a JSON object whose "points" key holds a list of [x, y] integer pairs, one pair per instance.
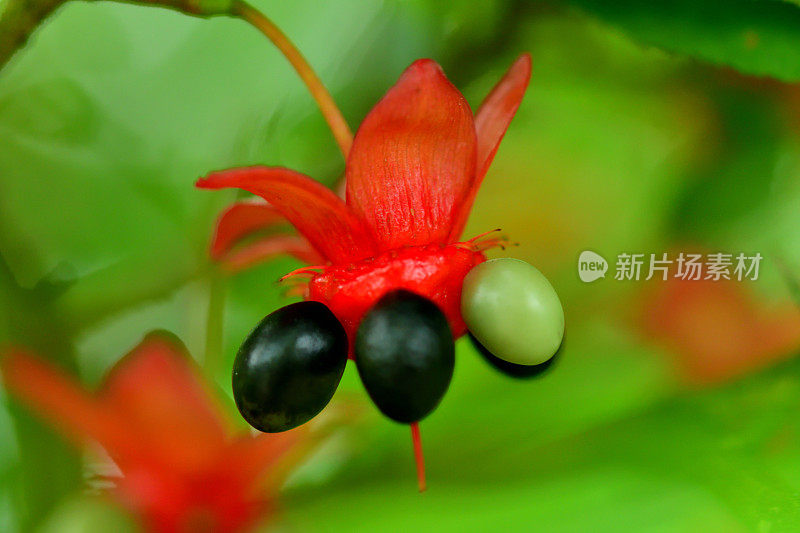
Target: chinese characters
{"points": [[713, 266]]}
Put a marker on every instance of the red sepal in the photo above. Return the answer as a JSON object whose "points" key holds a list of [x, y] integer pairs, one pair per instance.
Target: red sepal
{"points": [[413, 160], [77, 414], [268, 248], [156, 390], [317, 213], [241, 220], [433, 271]]}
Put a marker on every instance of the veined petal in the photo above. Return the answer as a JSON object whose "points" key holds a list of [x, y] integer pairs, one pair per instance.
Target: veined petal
{"points": [[268, 248], [240, 220], [156, 390], [491, 123], [321, 216], [413, 159], [62, 402]]}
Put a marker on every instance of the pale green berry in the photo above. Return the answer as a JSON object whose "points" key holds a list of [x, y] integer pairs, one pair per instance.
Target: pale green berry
{"points": [[511, 308]]}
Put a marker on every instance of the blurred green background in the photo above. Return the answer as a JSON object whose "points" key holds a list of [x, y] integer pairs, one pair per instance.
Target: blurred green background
{"points": [[646, 128]]}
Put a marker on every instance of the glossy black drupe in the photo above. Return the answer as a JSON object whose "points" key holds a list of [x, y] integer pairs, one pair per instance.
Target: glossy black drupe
{"points": [[405, 355], [512, 369], [289, 366]]}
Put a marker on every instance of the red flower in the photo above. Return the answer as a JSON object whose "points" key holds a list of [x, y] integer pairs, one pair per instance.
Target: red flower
{"points": [[718, 329], [181, 468], [411, 177]]}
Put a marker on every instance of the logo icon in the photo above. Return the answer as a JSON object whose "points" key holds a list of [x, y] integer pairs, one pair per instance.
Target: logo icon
{"points": [[591, 266]]}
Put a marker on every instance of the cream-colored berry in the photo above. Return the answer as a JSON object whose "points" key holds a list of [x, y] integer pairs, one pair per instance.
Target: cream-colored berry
{"points": [[513, 310]]}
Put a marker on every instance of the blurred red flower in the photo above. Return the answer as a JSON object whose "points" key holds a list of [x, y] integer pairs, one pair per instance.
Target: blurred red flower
{"points": [[183, 469], [718, 329], [415, 167]]}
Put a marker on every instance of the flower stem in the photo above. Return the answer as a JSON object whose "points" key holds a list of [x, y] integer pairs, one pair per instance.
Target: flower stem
{"points": [[333, 116], [416, 439], [18, 20], [212, 359]]}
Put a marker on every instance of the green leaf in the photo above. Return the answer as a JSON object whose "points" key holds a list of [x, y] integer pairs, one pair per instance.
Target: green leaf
{"points": [[757, 37], [39, 466]]}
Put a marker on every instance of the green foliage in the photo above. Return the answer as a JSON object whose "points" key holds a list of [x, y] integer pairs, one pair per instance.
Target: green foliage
{"points": [[37, 467], [87, 514], [757, 37]]}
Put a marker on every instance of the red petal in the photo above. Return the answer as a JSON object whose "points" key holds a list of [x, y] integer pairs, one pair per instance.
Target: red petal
{"points": [[268, 248], [314, 210], [413, 159], [491, 123], [238, 221], [60, 400], [156, 390]]}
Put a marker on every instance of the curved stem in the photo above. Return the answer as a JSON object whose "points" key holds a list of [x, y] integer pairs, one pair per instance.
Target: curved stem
{"points": [[339, 128], [18, 20]]}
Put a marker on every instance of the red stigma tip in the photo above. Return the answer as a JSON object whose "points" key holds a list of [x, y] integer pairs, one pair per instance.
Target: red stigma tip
{"points": [[418, 456]]}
